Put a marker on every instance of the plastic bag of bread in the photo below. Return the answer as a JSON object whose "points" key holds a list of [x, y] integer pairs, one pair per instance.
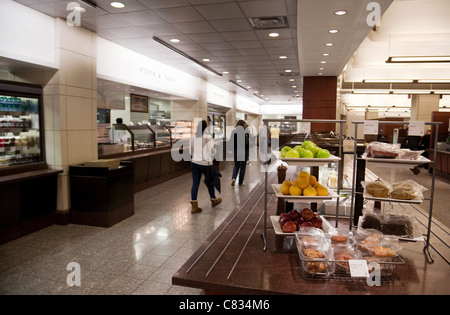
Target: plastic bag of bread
{"points": [[383, 150], [407, 190], [378, 188]]}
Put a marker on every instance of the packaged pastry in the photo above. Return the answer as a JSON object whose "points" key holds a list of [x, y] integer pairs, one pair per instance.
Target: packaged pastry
{"points": [[340, 236], [407, 190], [377, 188], [398, 225], [382, 150], [315, 253], [371, 220], [343, 254]]}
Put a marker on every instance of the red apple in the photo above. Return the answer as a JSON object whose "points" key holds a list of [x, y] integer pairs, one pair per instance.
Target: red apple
{"points": [[294, 214], [285, 220], [289, 227], [299, 221], [307, 214], [306, 223], [316, 222]]}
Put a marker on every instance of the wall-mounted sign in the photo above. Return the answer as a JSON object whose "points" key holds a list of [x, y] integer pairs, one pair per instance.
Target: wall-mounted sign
{"points": [[138, 103]]}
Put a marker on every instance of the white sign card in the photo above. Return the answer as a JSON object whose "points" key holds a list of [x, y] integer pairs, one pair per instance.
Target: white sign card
{"points": [[370, 127], [416, 128], [358, 268]]}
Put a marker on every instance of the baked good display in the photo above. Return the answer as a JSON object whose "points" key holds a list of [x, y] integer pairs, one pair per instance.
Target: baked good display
{"points": [[315, 267], [342, 257], [383, 252], [378, 188], [371, 241]]}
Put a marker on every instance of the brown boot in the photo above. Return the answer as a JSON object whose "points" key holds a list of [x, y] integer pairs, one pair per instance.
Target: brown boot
{"points": [[195, 207], [215, 202]]}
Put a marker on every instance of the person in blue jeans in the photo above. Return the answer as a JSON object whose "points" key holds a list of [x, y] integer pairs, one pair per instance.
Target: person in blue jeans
{"points": [[202, 151], [241, 151]]}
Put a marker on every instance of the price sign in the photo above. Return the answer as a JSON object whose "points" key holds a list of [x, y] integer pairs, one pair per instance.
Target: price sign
{"points": [[370, 127], [358, 268], [416, 128]]}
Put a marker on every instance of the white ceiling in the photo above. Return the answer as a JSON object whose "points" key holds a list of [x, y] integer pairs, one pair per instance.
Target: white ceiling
{"points": [[220, 30]]}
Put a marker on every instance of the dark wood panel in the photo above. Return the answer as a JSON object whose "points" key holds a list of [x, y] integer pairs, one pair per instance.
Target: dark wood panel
{"points": [[141, 169], [10, 200], [154, 166], [320, 88]]}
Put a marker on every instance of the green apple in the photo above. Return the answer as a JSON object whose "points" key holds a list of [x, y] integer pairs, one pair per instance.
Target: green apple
{"points": [[292, 154], [298, 148], [284, 150], [323, 154], [312, 147], [306, 143], [306, 154]]}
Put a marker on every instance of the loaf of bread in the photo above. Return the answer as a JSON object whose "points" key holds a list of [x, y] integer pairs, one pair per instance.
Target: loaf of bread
{"points": [[403, 191]]}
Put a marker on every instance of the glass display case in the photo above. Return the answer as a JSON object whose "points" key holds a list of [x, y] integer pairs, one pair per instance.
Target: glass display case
{"points": [[180, 129], [21, 141], [143, 136], [162, 134]]}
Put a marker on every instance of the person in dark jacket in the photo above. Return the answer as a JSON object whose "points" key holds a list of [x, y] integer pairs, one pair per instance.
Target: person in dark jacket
{"points": [[241, 138]]}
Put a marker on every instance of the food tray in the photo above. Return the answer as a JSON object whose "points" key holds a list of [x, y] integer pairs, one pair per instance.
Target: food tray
{"points": [[326, 226], [306, 162], [414, 201], [398, 162], [277, 190]]}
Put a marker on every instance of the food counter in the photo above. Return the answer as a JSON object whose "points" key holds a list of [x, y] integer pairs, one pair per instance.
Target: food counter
{"points": [[233, 261], [442, 163]]}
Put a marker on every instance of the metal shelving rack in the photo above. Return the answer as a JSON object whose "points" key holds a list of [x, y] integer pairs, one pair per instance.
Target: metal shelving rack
{"points": [[354, 179], [274, 160]]}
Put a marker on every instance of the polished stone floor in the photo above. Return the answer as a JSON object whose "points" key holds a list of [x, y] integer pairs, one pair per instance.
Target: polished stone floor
{"points": [[140, 254], [136, 256]]}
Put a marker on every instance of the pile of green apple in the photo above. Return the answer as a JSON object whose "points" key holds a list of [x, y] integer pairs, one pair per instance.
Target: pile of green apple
{"points": [[307, 150]]}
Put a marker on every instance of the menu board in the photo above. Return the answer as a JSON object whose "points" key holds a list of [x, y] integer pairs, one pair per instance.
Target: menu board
{"points": [[138, 103]]}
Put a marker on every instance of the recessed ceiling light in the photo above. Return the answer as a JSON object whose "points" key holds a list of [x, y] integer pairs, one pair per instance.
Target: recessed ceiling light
{"points": [[225, 72], [238, 81], [320, 73], [175, 40], [323, 61], [117, 5], [274, 34], [294, 86], [283, 57], [333, 31], [340, 12], [321, 68], [206, 59], [329, 44], [287, 71], [325, 54], [291, 80]]}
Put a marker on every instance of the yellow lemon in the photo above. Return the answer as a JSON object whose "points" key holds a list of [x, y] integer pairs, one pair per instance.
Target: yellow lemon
{"points": [[303, 173], [295, 190], [285, 187], [309, 191], [312, 180], [303, 182], [322, 191]]}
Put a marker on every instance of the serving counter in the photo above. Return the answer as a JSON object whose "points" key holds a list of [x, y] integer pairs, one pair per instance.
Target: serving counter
{"points": [[232, 261]]}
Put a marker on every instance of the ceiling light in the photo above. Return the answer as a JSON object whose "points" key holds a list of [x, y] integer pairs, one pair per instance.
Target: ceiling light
{"points": [[323, 61], [411, 91], [225, 72], [283, 57], [274, 34], [334, 31], [340, 12], [117, 5], [433, 81], [287, 71], [175, 40], [321, 68], [320, 73], [388, 81], [329, 44], [206, 60], [325, 54], [418, 59], [294, 86], [291, 80]]}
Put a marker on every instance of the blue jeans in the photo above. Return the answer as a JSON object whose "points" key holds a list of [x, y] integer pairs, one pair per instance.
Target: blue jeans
{"points": [[197, 171], [239, 167]]}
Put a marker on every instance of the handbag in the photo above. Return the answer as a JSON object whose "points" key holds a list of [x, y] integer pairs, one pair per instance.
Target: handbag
{"points": [[349, 144]]}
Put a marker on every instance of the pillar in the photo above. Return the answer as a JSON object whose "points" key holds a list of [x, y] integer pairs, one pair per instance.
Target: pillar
{"points": [[319, 101], [70, 107], [422, 105]]}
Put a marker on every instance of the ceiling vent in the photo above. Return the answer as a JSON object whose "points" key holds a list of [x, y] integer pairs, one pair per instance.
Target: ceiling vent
{"points": [[289, 74], [264, 23]]}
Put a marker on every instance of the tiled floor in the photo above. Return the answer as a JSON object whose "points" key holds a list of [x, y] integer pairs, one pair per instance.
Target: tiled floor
{"points": [[140, 254], [136, 256]]}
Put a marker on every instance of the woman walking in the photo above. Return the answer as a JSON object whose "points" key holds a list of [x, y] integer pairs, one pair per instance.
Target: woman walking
{"points": [[241, 151], [202, 151]]}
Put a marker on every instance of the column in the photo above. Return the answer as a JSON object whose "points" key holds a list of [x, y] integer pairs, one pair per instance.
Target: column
{"points": [[422, 105], [319, 101], [70, 107]]}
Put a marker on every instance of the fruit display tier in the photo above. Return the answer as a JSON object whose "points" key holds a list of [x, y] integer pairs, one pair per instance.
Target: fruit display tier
{"points": [[277, 190], [326, 226], [307, 161]]}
